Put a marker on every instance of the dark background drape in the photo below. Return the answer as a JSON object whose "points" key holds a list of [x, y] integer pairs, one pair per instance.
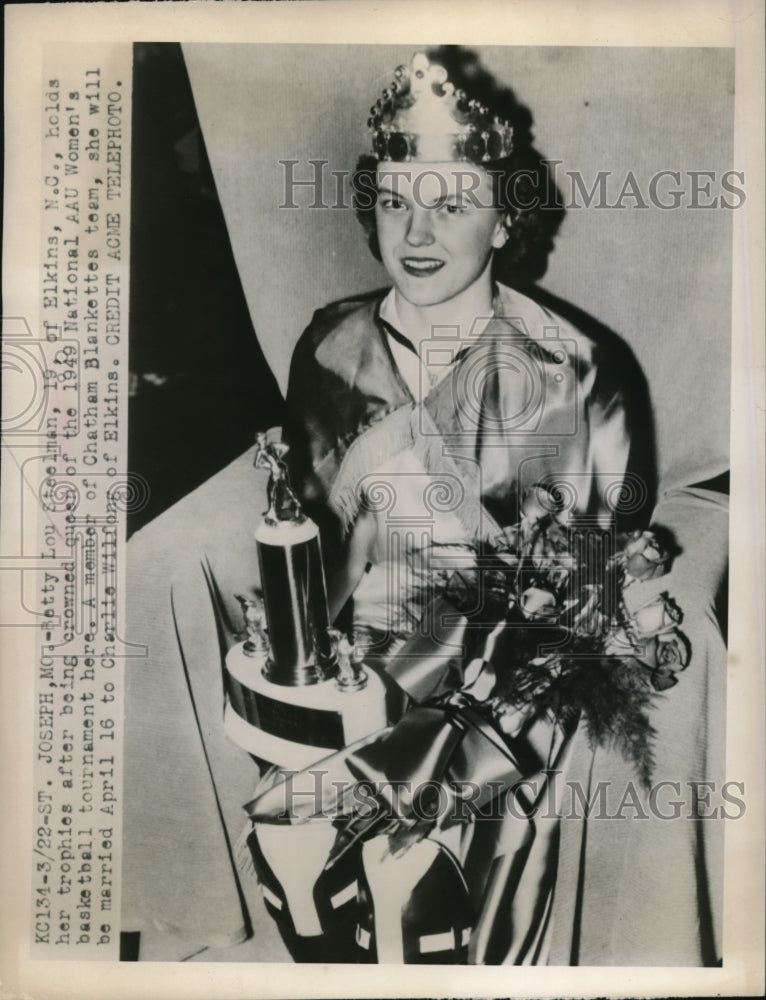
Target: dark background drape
{"points": [[200, 385]]}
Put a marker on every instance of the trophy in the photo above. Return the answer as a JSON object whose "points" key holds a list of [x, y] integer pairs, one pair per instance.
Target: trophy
{"points": [[296, 692], [294, 590]]}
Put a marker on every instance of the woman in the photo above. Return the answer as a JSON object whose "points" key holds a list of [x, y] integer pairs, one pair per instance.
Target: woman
{"points": [[419, 418], [449, 372]]}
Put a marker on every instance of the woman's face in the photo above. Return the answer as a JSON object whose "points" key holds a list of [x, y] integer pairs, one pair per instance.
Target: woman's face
{"points": [[436, 227]]}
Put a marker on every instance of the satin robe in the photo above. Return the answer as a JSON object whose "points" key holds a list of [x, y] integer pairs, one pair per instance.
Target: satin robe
{"points": [[531, 399]]}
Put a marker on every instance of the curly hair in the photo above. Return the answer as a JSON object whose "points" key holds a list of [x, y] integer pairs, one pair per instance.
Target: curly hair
{"points": [[524, 188]]}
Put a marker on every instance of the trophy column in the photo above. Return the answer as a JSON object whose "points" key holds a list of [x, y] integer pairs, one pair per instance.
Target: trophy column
{"points": [[295, 692]]}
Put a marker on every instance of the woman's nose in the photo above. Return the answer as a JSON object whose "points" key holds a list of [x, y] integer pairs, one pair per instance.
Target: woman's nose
{"points": [[420, 230]]}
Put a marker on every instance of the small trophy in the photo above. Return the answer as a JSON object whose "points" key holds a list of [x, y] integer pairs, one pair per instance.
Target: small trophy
{"points": [[254, 615], [351, 675]]}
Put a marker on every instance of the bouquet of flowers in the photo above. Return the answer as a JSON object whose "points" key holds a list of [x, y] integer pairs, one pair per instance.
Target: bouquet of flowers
{"points": [[568, 646]]}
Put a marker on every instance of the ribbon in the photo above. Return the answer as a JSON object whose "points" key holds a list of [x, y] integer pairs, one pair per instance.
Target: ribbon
{"points": [[406, 788], [441, 763]]}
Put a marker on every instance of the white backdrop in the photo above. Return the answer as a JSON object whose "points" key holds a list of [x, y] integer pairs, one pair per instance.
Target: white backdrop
{"points": [[661, 279]]}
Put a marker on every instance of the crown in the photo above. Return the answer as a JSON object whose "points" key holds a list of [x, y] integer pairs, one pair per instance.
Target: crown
{"points": [[422, 117]]}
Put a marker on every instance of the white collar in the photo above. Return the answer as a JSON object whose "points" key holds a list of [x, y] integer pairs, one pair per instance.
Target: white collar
{"points": [[423, 371]]}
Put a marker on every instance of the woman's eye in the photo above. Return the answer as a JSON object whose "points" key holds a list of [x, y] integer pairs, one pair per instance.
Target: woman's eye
{"points": [[392, 204], [454, 209]]}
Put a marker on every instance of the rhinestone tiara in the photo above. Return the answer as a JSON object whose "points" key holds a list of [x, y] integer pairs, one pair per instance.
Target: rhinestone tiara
{"points": [[422, 117]]}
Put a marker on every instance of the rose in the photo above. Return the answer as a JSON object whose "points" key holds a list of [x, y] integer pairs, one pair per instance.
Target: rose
{"points": [[666, 655], [673, 651], [660, 615], [510, 720], [539, 604], [663, 655], [537, 503], [670, 651], [644, 557]]}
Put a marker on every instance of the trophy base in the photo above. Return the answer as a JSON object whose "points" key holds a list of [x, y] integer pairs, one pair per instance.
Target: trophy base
{"points": [[267, 746], [296, 726]]}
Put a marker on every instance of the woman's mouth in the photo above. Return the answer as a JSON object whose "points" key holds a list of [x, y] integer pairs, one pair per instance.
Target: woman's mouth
{"points": [[421, 267]]}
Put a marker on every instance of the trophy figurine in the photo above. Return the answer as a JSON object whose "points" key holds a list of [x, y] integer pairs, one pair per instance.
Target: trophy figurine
{"points": [[283, 503], [351, 675], [254, 615]]}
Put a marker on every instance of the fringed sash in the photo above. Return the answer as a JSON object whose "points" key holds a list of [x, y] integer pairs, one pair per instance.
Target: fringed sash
{"points": [[409, 427]]}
